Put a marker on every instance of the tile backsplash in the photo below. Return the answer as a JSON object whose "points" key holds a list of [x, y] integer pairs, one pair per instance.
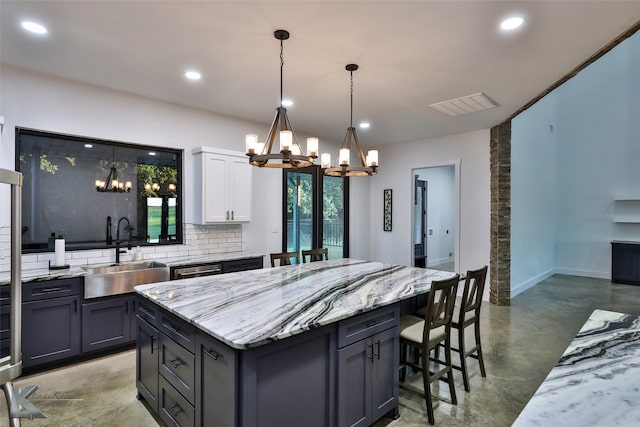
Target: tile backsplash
{"points": [[199, 240]]}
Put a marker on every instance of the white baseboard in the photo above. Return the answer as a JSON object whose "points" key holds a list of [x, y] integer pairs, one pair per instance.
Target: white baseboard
{"points": [[515, 290], [431, 262], [584, 273]]}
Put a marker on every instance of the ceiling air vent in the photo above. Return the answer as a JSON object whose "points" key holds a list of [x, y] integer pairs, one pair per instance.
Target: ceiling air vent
{"points": [[466, 104]]}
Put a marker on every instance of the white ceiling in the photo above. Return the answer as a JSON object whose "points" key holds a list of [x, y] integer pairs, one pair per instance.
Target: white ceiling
{"points": [[411, 54]]}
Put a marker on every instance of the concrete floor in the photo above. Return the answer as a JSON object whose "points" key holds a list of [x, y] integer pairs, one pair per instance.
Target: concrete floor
{"points": [[521, 344]]}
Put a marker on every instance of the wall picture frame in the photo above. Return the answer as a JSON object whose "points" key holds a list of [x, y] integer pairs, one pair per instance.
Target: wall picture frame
{"points": [[387, 203]]}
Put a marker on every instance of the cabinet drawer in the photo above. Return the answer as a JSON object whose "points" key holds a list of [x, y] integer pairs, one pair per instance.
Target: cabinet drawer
{"points": [[5, 295], [177, 365], [174, 408], [35, 291], [178, 330], [367, 324], [148, 311], [5, 322], [241, 265]]}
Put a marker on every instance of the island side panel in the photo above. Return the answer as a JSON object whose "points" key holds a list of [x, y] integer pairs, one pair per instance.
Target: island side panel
{"points": [[291, 382], [217, 380]]}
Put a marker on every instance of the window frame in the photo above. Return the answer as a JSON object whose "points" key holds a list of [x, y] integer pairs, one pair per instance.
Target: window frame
{"points": [[317, 179]]}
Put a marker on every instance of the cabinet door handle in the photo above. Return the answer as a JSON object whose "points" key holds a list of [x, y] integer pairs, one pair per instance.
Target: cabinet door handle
{"points": [[126, 306], [46, 290], [213, 354], [378, 354], [227, 215], [154, 343], [171, 328], [175, 363], [145, 311], [75, 305], [175, 410], [232, 215], [370, 357]]}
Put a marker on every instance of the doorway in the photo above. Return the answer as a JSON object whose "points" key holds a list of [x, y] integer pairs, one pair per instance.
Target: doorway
{"points": [[435, 217], [315, 212]]}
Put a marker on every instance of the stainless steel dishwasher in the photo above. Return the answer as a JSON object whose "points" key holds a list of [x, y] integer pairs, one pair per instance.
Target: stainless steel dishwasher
{"points": [[195, 270]]}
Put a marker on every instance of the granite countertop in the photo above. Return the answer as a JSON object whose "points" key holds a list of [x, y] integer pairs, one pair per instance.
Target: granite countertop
{"points": [[252, 308], [596, 380], [43, 274]]}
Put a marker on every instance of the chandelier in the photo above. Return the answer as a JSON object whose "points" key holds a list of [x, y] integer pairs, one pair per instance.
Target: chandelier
{"points": [[112, 184], [290, 155], [155, 189], [344, 167]]}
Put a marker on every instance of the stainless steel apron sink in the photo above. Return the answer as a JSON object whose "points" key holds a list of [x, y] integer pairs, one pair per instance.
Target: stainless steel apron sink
{"points": [[108, 279]]}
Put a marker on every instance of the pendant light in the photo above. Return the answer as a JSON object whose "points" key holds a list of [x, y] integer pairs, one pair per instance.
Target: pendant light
{"points": [[112, 184], [290, 154], [344, 166]]}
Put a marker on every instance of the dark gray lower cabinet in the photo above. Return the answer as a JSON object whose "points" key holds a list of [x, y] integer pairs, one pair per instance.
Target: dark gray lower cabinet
{"points": [[5, 327], [288, 383], [216, 374], [147, 350], [108, 322], [625, 262], [367, 372], [50, 330]]}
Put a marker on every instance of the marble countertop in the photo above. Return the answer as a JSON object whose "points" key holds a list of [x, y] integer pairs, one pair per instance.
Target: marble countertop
{"points": [[252, 308], [595, 383], [43, 274]]}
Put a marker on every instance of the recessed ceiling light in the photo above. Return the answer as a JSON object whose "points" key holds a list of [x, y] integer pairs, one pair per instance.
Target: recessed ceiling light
{"points": [[152, 153], [365, 125], [287, 103], [88, 145], [193, 75], [34, 27], [512, 23]]}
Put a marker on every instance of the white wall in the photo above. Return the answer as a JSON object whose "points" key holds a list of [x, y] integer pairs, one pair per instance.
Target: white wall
{"points": [[47, 103], [440, 212], [597, 116], [598, 159], [533, 194], [471, 150]]}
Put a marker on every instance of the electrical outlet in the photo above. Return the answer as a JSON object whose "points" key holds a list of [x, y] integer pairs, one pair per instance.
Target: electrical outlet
{"points": [[275, 228]]}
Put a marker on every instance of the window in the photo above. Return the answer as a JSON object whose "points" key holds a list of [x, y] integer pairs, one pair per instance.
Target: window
{"points": [[59, 197], [315, 211]]}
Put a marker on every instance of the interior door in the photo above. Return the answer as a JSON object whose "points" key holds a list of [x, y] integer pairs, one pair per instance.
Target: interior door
{"points": [[420, 223]]}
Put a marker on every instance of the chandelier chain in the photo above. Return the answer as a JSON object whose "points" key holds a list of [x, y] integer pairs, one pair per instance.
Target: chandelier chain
{"points": [[281, 67], [351, 98]]}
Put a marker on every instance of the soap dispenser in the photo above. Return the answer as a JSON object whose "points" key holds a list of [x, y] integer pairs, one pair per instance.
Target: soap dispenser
{"points": [[137, 255]]}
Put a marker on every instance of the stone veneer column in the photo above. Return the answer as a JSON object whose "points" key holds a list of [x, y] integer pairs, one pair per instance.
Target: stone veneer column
{"points": [[500, 259]]}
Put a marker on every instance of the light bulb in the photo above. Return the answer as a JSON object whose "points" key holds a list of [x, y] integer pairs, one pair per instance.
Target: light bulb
{"points": [[286, 138], [343, 159], [325, 160], [372, 158], [251, 143], [312, 147]]}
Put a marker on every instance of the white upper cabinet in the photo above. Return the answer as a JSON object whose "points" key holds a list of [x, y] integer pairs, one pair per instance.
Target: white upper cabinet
{"points": [[222, 186]]}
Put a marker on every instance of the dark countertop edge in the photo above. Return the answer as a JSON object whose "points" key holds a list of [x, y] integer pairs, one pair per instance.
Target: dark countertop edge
{"points": [[624, 242], [43, 274]]}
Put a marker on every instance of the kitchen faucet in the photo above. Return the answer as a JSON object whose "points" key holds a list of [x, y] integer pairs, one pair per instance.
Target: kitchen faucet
{"points": [[129, 228]]}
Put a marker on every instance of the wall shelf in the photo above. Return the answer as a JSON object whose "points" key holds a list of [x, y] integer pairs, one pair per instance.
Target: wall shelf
{"points": [[626, 210]]}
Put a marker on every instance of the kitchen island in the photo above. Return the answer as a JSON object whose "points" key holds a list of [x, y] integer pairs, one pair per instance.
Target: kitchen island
{"points": [[595, 383], [312, 344]]}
